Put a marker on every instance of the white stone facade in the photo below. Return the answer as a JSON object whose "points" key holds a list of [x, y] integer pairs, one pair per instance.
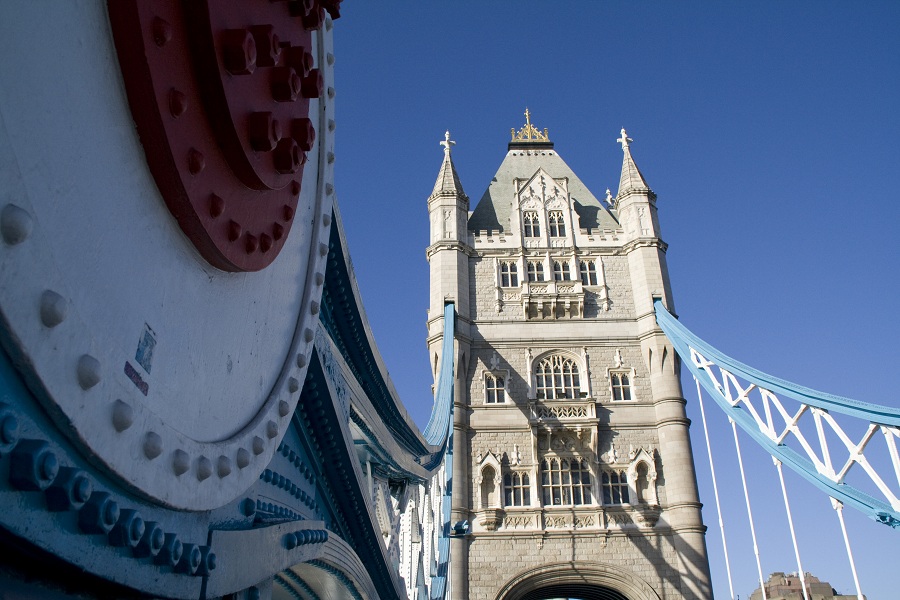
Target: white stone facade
{"points": [[571, 438]]}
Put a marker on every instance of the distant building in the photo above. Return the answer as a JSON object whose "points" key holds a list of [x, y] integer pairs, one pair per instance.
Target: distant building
{"points": [[781, 586]]}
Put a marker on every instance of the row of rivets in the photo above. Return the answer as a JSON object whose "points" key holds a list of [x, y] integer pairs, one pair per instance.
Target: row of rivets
{"points": [[34, 466], [305, 536]]}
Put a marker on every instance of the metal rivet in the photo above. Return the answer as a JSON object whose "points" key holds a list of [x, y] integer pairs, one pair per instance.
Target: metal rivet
{"points": [[153, 445], [178, 103], [196, 161], [308, 334], [258, 445], [328, 23], [122, 416], [323, 249], [329, 58], [54, 308], [216, 206], [287, 212], [88, 371], [331, 125], [181, 462], [314, 308], [330, 157], [301, 360], [15, 224], [271, 429], [265, 243], [320, 278], [290, 541], [162, 32], [283, 408], [330, 92], [170, 552], [234, 231], [251, 243], [243, 458], [293, 385], [277, 231], [329, 189], [326, 219], [223, 466], [204, 468]]}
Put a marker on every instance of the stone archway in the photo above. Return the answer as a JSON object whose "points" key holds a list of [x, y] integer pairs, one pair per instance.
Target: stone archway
{"points": [[586, 581]]}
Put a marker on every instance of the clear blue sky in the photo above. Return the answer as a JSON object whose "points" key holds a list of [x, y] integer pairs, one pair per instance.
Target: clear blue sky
{"points": [[771, 134]]}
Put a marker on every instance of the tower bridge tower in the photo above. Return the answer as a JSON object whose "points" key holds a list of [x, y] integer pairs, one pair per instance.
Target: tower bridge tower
{"points": [[574, 471]]}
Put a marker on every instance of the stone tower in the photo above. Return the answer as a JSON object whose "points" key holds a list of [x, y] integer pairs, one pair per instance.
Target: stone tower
{"points": [[574, 474]]}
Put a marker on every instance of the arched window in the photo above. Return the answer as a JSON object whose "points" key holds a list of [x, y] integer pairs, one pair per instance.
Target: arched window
{"points": [[621, 386], [588, 272], [532, 224], [556, 377], [560, 270], [615, 487], [535, 270], [509, 274], [494, 389], [517, 489], [556, 223], [565, 481]]}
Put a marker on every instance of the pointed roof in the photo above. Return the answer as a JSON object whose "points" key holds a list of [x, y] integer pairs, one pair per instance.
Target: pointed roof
{"points": [[495, 208], [447, 180], [631, 179]]}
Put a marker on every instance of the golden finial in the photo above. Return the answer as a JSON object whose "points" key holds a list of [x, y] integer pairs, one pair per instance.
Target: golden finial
{"points": [[529, 133]]}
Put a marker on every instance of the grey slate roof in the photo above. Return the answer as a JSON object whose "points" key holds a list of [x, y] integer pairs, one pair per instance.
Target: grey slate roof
{"points": [[496, 205]]}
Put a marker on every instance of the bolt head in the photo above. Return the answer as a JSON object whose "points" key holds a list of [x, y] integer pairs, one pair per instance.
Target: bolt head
{"points": [[239, 51]]}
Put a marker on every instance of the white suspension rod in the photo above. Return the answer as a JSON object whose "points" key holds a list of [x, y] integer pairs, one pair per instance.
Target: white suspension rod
{"points": [[737, 447], [839, 508], [712, 470], [787, 507]]}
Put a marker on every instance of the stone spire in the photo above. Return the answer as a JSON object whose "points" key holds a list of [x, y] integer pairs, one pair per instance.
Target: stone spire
{"points": [[447, 180], [631, 180]]}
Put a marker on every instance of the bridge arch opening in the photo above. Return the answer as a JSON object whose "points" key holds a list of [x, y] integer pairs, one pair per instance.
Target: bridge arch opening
{"points": [[577, 581]]}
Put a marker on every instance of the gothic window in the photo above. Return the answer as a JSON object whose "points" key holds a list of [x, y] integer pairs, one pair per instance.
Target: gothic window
{"points": [[556, 223], [532, 224], [588, 272], [556, 376], [509, 274], [535, 271], [516, 489], [565, 481], [560, 270], [494, 389], [615, 487], [621, 385]]}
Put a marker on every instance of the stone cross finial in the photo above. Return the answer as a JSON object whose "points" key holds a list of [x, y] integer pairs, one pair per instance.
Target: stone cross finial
{"points": [[447, 142], [527, 117], [624, 140]]}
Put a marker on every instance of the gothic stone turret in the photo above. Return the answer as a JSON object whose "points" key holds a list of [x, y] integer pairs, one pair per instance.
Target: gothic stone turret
{"points": [[571, 436]]}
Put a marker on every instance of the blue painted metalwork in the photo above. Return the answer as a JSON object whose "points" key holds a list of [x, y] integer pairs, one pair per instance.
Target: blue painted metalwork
{"points": [[684, 340], [439, 432]]}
